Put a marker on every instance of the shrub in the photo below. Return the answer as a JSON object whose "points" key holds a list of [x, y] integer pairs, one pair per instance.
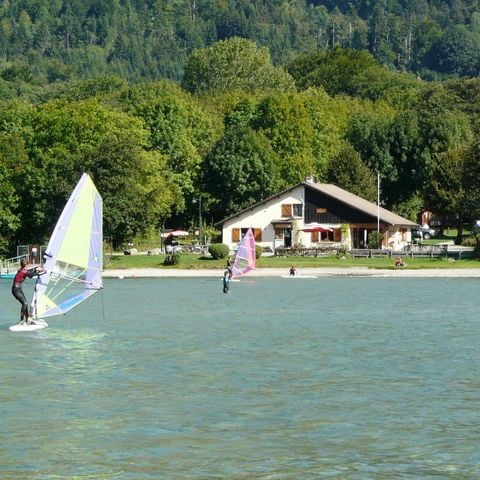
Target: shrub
{"points": [[470, 241], [258, 251], [173, 259], [374, 240], [476, 251], [218, 250]]}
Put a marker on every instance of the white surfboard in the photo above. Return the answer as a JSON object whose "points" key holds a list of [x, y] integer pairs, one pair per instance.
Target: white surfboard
{"points": [[28, 327], [299, 276]]}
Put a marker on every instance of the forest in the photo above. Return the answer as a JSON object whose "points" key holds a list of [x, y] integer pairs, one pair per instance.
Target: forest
{"points": [[168, 102]]}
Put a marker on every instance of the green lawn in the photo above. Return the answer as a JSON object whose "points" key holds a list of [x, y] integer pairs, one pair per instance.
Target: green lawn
{"points": [[195, 262]]}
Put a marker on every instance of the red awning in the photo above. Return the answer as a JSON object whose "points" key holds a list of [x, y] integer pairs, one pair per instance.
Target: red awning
{"points": [[316, 228]]}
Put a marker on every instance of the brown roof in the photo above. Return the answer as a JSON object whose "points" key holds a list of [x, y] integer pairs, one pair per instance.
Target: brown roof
{"points": [[341, 195], [360, 203]]}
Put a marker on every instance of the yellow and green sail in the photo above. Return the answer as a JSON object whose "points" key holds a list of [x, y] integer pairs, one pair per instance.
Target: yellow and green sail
{"points": [[73, 258]]}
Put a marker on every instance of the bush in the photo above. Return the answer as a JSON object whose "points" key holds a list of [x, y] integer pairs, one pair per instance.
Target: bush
{"points": [[173, 259], [470, 241], [258, 251], [218, 250], [476, 251], [374, 240]]}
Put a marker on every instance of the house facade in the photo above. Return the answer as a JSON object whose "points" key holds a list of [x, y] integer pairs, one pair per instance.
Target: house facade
{"points": [[318, 215]]}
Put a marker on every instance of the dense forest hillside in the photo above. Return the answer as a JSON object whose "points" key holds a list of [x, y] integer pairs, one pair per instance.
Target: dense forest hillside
{"points": [[151, 39], [168, 102]]}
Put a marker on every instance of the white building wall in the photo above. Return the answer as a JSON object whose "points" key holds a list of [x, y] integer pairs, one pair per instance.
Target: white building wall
{"points": [[260, 217]]}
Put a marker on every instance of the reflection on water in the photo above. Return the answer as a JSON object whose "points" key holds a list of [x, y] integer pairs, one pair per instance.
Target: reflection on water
{"points": [[342, 378]]}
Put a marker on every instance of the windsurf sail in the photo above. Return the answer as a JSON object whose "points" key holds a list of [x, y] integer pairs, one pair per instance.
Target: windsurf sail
{"points": [[245, 258], [73, 258]]}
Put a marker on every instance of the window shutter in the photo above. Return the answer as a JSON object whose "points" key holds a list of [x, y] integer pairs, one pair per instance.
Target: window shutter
{"points": [[257, 232], [235, 234], [286, 210]]}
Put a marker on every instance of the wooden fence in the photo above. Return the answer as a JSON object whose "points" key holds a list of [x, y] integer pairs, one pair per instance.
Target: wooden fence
{"points": [[418, 251]]}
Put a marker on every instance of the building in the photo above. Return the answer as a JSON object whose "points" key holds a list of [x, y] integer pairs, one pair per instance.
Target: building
{"points": [[318, 215]]}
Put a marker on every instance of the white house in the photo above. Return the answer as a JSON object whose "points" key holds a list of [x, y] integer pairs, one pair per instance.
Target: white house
{"points": [[316, 215]]}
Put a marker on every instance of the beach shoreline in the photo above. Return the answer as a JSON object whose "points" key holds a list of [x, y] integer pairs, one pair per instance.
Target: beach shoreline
{"points": [[279, 272]]}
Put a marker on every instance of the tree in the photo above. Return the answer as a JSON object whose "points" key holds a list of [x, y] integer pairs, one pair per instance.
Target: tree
{"points": [[456, 52], [13, 160], [347, 171], [234, 64], [447, 194], [137, 188], [285, 121], [240, 171], [179, 127]]}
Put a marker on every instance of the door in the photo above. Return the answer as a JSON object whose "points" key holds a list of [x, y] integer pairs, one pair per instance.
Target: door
{"points": [[287, 238]]}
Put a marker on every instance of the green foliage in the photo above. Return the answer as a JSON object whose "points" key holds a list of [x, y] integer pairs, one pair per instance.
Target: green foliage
{"points": [[173, 259], [218, 250], [234, 64], [240, 171], [258, 251], [347, 171], [374, 240]]}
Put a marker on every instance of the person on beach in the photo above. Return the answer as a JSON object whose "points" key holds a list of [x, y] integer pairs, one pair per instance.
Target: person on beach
{"points": [[23, 273], [226, 281], [399, 262], [293, 271]]}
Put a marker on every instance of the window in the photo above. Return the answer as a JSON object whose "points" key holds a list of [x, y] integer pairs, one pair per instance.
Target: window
{"points": [[289, 210], [286, 210], [297, 209]]}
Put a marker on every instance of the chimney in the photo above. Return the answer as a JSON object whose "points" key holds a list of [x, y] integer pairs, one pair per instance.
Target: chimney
{"points": [[310, 179]]}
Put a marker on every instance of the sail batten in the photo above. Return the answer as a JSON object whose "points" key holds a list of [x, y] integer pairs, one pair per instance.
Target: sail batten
{"points": [[245, 258], [74, 259]]}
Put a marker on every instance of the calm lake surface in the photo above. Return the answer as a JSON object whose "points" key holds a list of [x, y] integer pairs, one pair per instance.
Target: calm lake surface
{"points": [[331, 378]]}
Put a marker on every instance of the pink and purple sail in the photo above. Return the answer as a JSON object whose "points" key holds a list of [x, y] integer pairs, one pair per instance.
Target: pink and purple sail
{"points": [[245, 258]]}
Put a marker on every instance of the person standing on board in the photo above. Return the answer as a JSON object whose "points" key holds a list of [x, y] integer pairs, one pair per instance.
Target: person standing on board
{"points": [[226, 281], [229, 267], [17, 291], [293, 271]]}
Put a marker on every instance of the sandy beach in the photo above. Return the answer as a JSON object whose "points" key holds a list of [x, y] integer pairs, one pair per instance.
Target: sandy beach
{"points": [[278, 272]]}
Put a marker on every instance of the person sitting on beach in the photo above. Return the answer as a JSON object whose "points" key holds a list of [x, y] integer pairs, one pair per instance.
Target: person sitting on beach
{"points": [[399, 262], [293, 271]]}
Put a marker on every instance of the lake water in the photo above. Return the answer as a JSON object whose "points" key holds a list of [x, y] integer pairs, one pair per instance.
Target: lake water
{"points": [[331, 378]]}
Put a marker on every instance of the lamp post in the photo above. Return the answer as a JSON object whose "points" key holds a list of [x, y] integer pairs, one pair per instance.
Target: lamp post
{"points": [[199, 201]]}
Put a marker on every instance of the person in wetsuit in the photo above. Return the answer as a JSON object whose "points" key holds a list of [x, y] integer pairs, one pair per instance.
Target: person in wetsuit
{"points": [[17, 291], [226, 282]]}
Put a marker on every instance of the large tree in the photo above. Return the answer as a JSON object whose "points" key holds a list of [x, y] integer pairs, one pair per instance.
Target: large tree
{"points": [[234, 64], [347, 171], [240, 171]]}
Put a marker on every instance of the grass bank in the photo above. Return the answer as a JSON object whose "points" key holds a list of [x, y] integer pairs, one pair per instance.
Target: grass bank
{"points": [[197, 262]]}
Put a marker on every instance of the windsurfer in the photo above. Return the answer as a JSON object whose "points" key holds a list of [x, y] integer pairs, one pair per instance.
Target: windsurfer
{"points": [[226, 281], [293, 271], [229, 267], [23, 273]]}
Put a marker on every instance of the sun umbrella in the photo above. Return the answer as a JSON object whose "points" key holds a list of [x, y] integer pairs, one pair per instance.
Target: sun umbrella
{"points": [[316, 228]]}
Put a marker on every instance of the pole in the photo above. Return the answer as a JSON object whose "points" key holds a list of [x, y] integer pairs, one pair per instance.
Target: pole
{"points": [[200, 219], [378, 203]]}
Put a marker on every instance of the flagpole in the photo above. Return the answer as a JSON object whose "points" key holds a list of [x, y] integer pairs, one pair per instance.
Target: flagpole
{"points": [[378, 202]]}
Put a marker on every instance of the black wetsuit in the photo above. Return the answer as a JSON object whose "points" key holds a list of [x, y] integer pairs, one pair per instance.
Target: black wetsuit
{"points": [[226, 286], [17, 291]]}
